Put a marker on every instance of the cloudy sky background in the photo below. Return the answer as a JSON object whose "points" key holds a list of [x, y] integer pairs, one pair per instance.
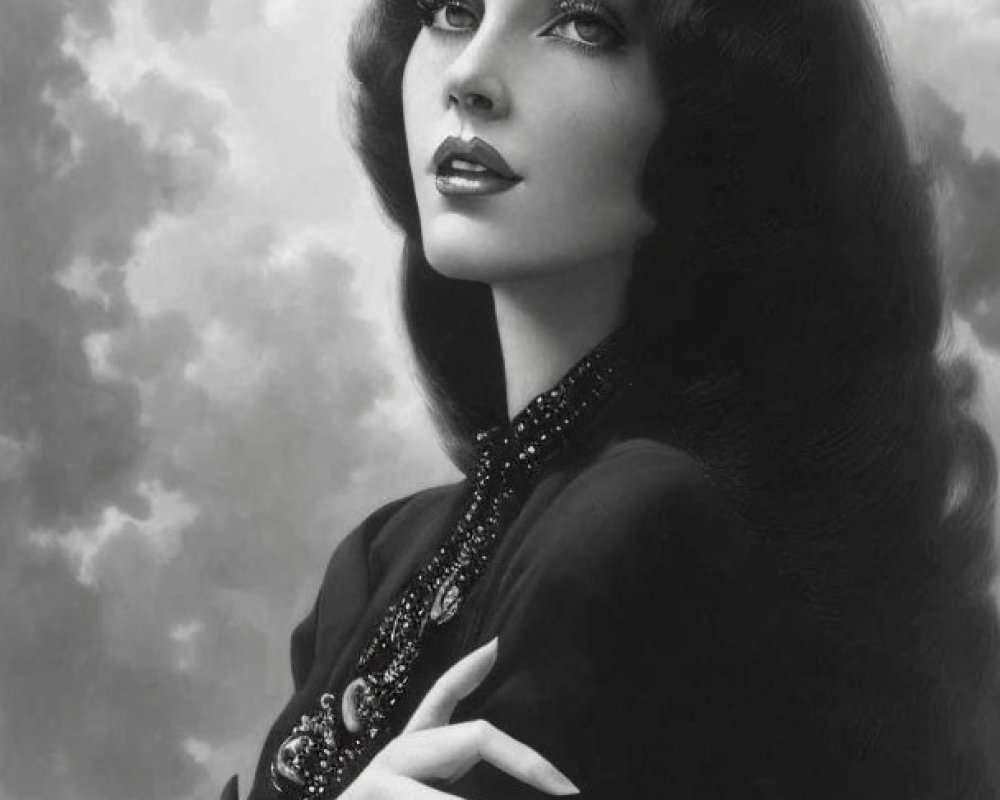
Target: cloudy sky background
{"points": [[202, 382]]}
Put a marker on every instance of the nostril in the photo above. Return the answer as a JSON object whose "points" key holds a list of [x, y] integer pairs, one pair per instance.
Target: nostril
{"points": [[480, 102], [473, 101]]}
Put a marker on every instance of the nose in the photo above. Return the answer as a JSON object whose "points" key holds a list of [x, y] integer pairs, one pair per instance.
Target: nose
{"points": [[484, 98], [474, 81]]}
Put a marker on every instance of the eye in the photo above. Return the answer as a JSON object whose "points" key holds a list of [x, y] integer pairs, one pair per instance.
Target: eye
{"points": [[588, 25], [448, 16], [588, 29]]}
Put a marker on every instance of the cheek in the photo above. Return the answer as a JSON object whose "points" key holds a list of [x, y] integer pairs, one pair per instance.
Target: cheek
{"points": [[604, 132], [607, 167], [627, 136], [411, 105], [418, 96]]}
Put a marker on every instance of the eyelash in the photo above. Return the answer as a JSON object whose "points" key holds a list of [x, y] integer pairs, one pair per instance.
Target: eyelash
{"points": [[570, 11]]}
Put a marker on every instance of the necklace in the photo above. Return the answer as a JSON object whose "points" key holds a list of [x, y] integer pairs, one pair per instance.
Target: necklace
{"points": [[326, 749]]}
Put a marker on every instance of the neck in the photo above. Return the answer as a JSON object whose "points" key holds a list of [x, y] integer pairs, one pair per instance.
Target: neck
{"points": [[547, 325]]}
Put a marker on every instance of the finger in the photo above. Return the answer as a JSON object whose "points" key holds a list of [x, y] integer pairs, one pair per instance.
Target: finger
{"points": [[392, 787], [454, 685], [449, 752]]}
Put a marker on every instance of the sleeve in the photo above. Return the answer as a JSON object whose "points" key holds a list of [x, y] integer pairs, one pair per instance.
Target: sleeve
{"points": [[620, 640], [303, 644]]}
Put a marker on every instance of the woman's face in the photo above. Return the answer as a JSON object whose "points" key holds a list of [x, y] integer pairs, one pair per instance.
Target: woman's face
{"points": [[564, 92]]}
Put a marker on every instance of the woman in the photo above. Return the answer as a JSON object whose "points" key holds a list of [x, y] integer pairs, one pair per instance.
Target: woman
{"points": [[734, 540]]}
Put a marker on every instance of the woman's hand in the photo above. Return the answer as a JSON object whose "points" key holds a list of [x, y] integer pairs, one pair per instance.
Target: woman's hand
{"points": [[429, 748]]}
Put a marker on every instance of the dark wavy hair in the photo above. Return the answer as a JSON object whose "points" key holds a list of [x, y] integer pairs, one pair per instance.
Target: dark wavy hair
{"points": [[787, 309]]}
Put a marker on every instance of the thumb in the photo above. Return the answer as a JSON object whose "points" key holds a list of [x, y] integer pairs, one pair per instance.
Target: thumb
{"points": [[452, 687]]}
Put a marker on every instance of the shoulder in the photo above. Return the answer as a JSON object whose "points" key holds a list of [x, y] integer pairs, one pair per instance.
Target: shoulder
{"points": [[642, 497], [636, 527], [642, 466], [385, 545], [395, 531], [626, 605]]}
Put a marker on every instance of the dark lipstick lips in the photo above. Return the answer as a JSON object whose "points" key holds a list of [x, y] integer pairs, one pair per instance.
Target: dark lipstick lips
{"points": [[476, 151]]}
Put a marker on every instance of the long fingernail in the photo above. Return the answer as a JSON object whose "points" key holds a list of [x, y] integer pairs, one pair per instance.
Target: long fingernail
{"points": [[486, 652], [560, 783], [491, 647]]}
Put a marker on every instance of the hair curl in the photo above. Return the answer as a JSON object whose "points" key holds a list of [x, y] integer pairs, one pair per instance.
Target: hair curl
{"points": [[787, 307]]}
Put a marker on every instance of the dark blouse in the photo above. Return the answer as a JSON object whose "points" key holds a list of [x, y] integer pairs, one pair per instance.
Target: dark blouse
{"points": [[626, 627], [646, 646]]}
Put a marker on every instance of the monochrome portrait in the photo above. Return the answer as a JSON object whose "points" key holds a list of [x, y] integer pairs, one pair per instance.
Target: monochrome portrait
{"points": [[499, 399]]}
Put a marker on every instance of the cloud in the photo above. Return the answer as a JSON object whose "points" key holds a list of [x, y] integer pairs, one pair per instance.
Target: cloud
{"points": [[954, 46], [78, 183], [947, 57], [172, 19], [969, 206], [194, 402], [75, 723], [64, 195], [274, 426], [183, 126]]}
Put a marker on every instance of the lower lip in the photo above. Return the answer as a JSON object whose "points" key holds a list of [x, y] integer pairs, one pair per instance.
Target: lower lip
{"points": [[473, 185]]}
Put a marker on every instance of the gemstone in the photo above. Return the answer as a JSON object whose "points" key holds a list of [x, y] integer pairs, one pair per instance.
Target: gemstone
{"points": [[288, 760], [400, 626], [446, 601], [351, 706]]}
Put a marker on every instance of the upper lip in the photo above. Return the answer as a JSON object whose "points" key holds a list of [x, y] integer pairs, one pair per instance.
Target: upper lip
{"points": [[475, 150]]}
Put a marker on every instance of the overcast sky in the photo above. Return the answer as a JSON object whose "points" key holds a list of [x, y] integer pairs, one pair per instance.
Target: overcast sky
{"points": [[202, 385]]}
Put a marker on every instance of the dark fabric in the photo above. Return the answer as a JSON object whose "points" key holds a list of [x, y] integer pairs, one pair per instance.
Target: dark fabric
{"points": [[231, 791], [627, 618], [651, 644]]}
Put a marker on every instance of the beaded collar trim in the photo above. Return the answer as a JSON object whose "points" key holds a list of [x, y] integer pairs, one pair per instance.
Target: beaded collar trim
{"points": [[328, 748]]}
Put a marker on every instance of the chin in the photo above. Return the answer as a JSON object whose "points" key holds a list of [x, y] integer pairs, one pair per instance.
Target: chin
{"points": [[470, 258], [466, 265]]}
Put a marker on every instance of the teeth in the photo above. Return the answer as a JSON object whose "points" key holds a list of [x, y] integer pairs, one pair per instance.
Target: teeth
{"points": [[458, 163]]}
